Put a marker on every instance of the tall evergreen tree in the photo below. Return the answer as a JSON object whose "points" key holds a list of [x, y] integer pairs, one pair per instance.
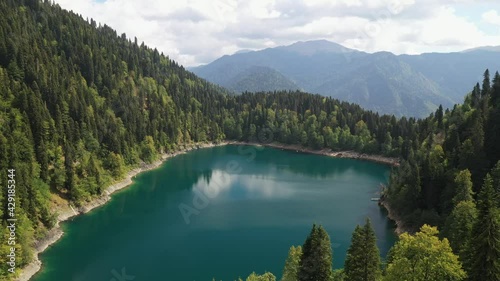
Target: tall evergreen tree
{"points": [[486, 84], [458, 226], [483, 250], [492, 136], [363, 258], [292, 264], [463, 182], [316, 261], [495, 174], [439, 117]]}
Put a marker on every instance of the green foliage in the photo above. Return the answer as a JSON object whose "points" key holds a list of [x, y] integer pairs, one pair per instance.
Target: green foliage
{"points": [[463, 182], [423, 257], [482, 259], [316, 261], [292, 263], [148, 150], [459, 224], [265, 277], [495, 175], [363, 258], [256, 277], [338, 275], [115, 164]]}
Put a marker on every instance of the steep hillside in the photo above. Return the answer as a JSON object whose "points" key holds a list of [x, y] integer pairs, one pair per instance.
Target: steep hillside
{"points": [[259, 79], [386, 84], [309, 64], [454, 72], [402, 85]]}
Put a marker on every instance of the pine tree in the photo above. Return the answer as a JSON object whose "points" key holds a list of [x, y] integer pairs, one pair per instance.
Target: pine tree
{"points": [[316, 261], [439, 117], [495, 174], [292, 264], [492, 136], [363, 258], [486, 83], [483, 252], [463, 182], [458, 226]]}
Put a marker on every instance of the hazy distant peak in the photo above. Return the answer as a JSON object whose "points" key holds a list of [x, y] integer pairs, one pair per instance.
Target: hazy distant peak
{"points": [[243, 51], [484, 48], [316, 46]]}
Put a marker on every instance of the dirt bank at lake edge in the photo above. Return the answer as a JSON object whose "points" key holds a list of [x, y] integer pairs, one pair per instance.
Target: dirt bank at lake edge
{"points": [[328, 152], [68, 212], [400, 228]]}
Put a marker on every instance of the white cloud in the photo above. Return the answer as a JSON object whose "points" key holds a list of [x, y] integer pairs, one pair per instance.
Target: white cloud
{"points": [[220, 183], [491, 17], [448, 30], [199, 31]]}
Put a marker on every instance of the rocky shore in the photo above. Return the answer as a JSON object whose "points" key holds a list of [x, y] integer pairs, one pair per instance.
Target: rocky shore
{"points": [[400, 227]]}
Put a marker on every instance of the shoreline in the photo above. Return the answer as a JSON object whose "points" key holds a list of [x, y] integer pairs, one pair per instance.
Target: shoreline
{"points": [[68, 212], [400, 228], [393, 162], [348, 154]]}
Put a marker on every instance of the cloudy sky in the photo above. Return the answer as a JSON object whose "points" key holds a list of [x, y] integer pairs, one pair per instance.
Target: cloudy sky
{"points": [[196, 32]]}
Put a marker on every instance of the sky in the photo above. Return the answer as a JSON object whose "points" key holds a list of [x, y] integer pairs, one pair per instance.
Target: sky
{"points": [[195, 32]]}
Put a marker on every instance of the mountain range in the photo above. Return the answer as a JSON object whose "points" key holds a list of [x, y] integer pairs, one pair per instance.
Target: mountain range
{"points": [[403, 85]]}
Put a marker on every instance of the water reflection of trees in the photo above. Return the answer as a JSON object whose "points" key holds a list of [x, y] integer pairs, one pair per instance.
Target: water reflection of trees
{"points": [[185, 171], [199, 166], [310, 164]]}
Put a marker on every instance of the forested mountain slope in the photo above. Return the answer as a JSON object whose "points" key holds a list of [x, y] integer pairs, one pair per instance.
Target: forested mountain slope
{"points": [[404, 85], [81, 105], [259, 78]]}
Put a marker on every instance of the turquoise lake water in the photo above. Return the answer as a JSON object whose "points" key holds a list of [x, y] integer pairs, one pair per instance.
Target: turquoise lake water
{"points": [[221, 213]]}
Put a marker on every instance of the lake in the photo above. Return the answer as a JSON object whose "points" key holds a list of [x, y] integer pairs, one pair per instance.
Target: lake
{"points": [[221, 213]]}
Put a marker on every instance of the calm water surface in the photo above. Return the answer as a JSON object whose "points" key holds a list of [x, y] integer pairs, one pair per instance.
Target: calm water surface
{"points": [[240, 214]]}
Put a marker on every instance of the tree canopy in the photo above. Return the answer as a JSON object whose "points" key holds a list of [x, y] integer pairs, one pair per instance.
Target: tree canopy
{"points": [[316, 261], [363, 258], [423, 257]]}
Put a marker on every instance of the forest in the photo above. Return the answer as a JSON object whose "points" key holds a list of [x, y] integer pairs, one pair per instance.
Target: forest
{"points": [[81, 105]]}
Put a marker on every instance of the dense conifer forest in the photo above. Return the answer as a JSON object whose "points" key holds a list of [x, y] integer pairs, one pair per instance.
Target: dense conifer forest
{"points": [[81, 105]]}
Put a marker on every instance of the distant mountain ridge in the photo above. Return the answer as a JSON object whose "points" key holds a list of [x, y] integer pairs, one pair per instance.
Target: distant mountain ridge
{"points": [[409, 85], [485, 48], [314, 47]]}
